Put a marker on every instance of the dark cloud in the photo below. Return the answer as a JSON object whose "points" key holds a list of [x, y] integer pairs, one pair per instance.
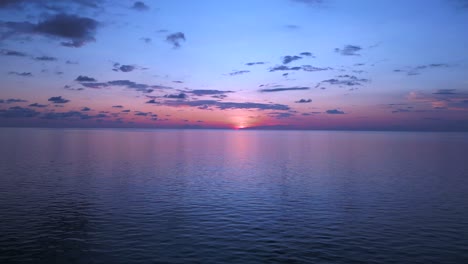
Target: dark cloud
{"points": [[123, 67], [228, 105], [13, 100], [152, 101], [58, 100], [175, 39], [45, 58], [71, 62], [445, 91], [85, 109], [141, 114], [70, 115], [307, 68], [238, 72], [285, 68], [176, 96], [23, 74], [208, 92], [303, 101], [83, 78], [177, 81], [126, 111], [344, 80], [349, 50], [140, 6], [334, 112], [255, 63], [140, 87], [18, 112], [310, 68], [76, 30], [94, 85], [287, 59], [306, 53], [117, 106], [48, 5], [272, 90], [5, 52], [37, 105]]}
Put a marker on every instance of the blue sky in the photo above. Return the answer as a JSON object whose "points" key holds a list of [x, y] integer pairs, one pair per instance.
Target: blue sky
{"points": [[292, 64]]}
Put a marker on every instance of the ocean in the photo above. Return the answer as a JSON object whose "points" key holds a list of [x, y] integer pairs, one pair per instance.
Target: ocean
{"points": [[220, 196]]}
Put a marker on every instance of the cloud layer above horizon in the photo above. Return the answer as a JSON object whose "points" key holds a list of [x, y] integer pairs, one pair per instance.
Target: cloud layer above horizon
{"points": [[329, 64]]}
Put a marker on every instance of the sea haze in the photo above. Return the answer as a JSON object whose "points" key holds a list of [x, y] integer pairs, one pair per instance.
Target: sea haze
{"points": [[219, 196]]}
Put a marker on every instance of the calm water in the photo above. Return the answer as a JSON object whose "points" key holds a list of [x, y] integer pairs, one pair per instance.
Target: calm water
{"points": [[123, 196]]}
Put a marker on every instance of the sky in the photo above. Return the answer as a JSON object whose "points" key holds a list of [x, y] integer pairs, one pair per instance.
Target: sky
{"points": [[245, 64]]}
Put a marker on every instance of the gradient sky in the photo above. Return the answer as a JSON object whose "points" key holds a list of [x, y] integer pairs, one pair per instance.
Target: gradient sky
{"points": [[281, 64]]}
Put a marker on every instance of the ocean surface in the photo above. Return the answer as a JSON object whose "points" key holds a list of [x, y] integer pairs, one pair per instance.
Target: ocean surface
{"points": [[218, 196]]}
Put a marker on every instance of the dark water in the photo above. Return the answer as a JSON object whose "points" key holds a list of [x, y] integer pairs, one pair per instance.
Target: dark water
{"points": [[122, 196]]}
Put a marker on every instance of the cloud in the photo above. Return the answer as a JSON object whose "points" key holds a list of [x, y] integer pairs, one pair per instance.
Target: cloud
{"points": [[208, 92], [75, 30], [13, 100], [123, 67], [416, 70], [58, 100], [45, 58], [448, 99], [23, 74], [83, 78], [175, 39], [140, 6], [334, 112], [5, 52], [346, 80], [204, 104], [304, 101], [349, 50], [307, 68], [255, 63], [140, 87], [281, 115], [18, 112], [37, 105], [272, 90], [117, 106], [445, 91], [306, 53], [238, 72], [141, 114], [94, 85], [176, 96], [85, 109], [55, 6], [67, 115], [152, 101], [287, 59]]}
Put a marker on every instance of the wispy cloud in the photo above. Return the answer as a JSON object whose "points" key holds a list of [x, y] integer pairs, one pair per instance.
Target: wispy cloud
{"points": [[273, 90], [349, 50]]}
